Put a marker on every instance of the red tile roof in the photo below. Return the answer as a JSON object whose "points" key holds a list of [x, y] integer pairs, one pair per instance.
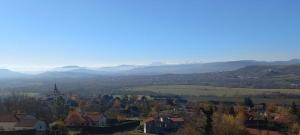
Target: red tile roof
{"points": [[92, 116], [27, 121], [177, 119], [8, 118], [74, 117]]}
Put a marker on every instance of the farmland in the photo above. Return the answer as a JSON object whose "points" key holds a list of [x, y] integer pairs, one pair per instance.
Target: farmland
{"points": [[196, 90], [223, 93]]}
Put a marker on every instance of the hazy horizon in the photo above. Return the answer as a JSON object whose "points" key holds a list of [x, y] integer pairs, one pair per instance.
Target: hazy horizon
{"points": [[41, 69], [43, 34]]}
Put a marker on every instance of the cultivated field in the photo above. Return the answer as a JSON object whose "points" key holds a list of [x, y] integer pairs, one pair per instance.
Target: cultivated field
{"points": [[195, 90], [206, 93]]}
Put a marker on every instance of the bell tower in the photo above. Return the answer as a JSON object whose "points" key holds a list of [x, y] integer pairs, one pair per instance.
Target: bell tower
{"points": [[55, 89]]}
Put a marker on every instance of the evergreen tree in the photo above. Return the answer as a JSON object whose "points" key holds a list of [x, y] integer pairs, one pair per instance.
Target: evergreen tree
{"points": [[294, 108], [248, 102]]}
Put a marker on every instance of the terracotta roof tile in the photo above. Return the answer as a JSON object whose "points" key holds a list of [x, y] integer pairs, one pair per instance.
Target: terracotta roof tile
{"points": [[92, 116], [177, 119], [8, 118], [74, 117]]}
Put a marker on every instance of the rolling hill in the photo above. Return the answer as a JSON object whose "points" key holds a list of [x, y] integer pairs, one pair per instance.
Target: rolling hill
{"points": [[262, 75], [194, 68], [8, 74]]}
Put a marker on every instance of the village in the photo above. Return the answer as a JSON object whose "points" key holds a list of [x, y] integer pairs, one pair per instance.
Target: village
{"points": [[61, 114]]}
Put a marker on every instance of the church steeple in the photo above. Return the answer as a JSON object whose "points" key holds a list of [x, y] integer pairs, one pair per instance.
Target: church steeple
{"points": [[55, 94], [55, 88]]}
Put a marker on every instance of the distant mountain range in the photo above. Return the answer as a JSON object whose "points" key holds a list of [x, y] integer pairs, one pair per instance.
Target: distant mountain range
{"points": [[195, 68], [259, 76], [7, 74], [203, 67], [244, 74]]}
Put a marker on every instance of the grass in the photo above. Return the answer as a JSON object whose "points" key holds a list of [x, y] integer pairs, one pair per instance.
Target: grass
{"points": [[196, 90], [205, 93]]}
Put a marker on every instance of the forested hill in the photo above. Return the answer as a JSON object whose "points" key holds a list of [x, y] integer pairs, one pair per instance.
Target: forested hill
{"points": [[255, 77], [248, 77]]}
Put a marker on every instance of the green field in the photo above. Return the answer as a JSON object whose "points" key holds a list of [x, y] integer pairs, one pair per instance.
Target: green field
{"points": [[206, 93], [195, 90]]}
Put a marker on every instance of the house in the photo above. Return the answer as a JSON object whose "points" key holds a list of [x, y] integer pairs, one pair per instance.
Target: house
{"points": [[162, 125], [95, 119], [8, 122], [22, 122], [75, 118], [177, 122], [29, 122]]}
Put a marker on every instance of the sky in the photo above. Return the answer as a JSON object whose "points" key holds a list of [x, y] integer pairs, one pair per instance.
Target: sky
{"points": [[48, 33]]}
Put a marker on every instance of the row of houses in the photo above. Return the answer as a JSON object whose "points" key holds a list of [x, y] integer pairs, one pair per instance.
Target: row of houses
{"points": [[128, 109], [77, 118], [22, 122], [166, 122]]}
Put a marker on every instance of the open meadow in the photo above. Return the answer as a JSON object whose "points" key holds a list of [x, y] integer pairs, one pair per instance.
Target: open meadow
{"points": [[206, 93], [196, 90]]}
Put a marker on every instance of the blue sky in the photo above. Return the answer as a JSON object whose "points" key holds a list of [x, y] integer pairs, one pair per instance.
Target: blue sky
{"points": [[47, 33]]}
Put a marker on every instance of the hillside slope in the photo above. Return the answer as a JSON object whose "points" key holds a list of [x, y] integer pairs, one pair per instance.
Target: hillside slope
{"points": [[281, 76]]}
